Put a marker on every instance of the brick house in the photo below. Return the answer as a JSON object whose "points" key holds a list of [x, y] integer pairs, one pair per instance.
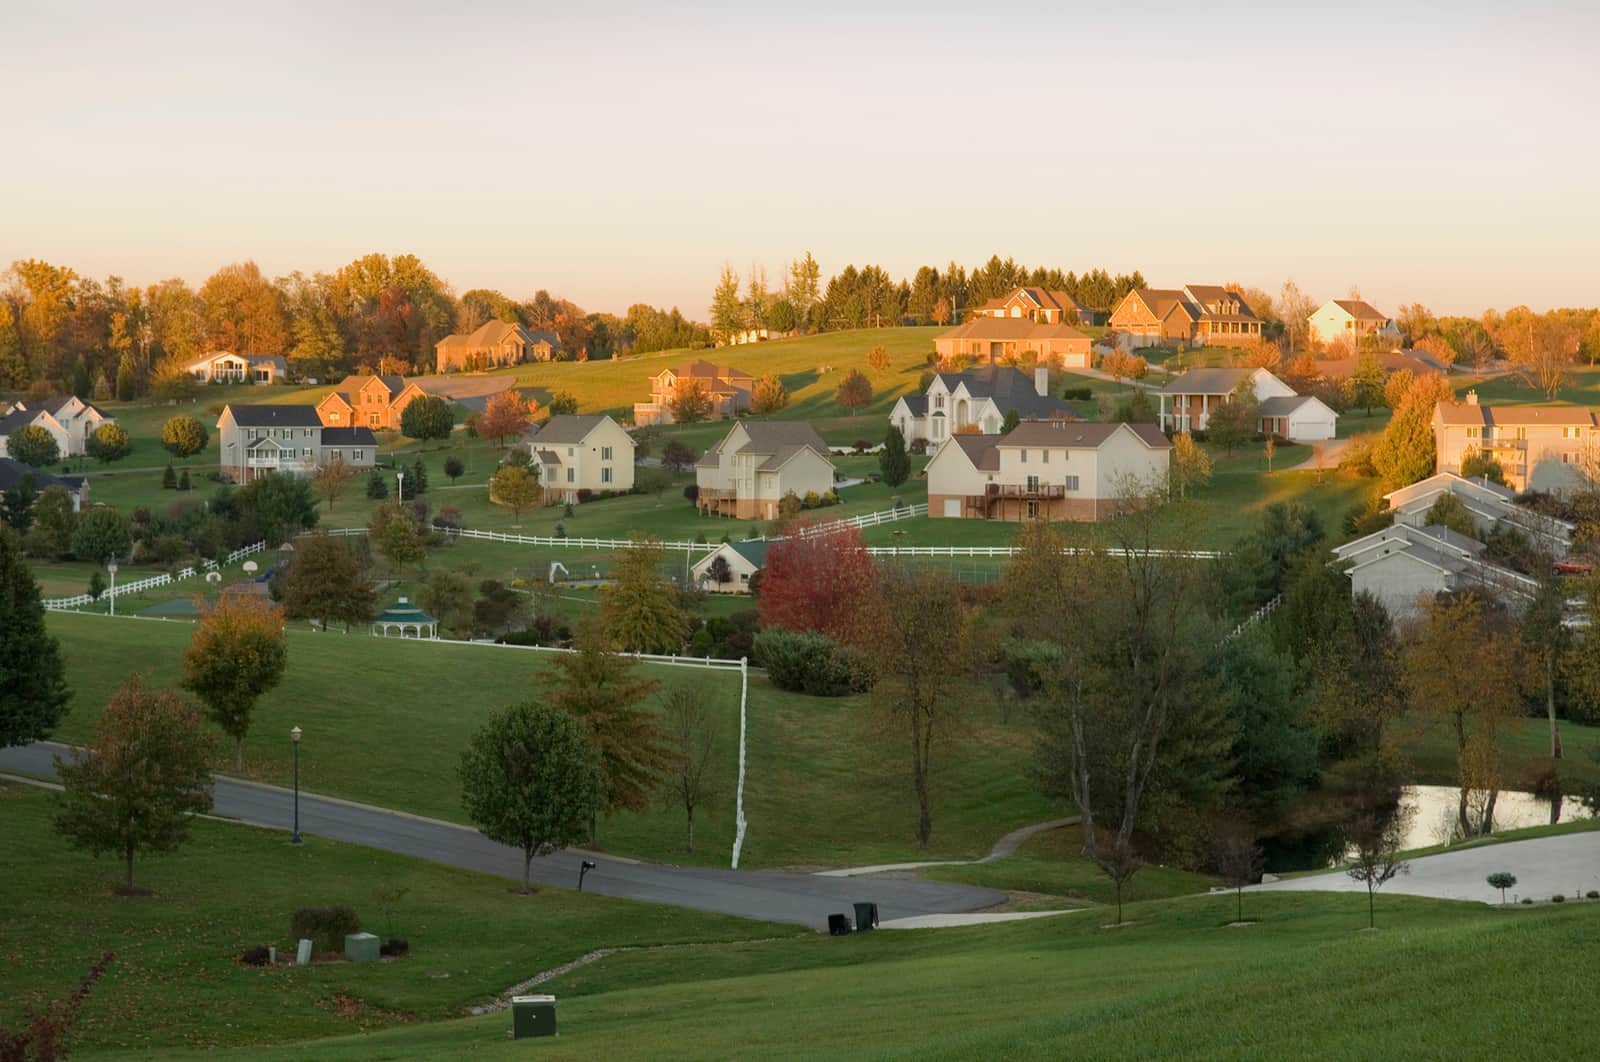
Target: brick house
{"points": [[494, 344], [759, 463], [988, 339], [375, 402], [1195, 315], [257, 440], [729, 390], [1039, 304]]}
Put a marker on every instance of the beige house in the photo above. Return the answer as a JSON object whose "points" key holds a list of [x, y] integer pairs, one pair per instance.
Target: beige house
{"points": [[1405, 566], [729, 390], [759, 463], [579, 455], [375, 402], [1038, 304], [741, 561], [1187, 402], [1045, 471], [1349, 320], [988, 339], [69, 420], [979, 398], [494, 344], [227, 367], [1547, 448], [257, 440], [1194, 315], [1492, 507]]}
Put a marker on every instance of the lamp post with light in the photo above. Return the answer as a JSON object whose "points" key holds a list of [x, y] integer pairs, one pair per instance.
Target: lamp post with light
{"points": [[111, 566], [294, 739]]}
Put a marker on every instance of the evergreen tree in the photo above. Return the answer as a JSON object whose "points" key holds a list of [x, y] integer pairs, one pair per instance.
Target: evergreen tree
{"points": [[183, 479], [377, 485], [169, 479], [127, 381], [893, 461], [33, 687], [418, 477]]}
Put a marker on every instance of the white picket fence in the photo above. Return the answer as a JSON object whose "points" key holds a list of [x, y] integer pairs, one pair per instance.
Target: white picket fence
{"points": [[138, 586], [883, 516], [1009, 551], [1255, 617]]}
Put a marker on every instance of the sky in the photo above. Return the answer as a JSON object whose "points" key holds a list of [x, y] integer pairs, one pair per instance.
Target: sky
{"points": [[1443, 153]]}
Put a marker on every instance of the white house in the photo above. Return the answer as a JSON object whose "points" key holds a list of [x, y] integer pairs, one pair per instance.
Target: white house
{"points": [[1349, 320], [742, 560], [978, 397], [1491, 505], [759, 463], [1403, 566], [1049, 470], [590, 453], [1187, 402], [69, 420], [227, 367]]}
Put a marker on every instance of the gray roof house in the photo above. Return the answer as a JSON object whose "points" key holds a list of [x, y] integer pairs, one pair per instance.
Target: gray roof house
{"points": [[261, 439]]}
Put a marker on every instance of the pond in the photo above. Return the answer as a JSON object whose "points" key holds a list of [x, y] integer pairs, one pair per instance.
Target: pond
{"points": [[1433, 807]]}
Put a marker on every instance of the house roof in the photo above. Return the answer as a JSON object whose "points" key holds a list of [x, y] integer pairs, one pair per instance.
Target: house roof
{"points": [[1210, 295], [568, 428], [273, 416], [1283, 406], [1414, 361], [1441, 481], [1084, 435], [1011, 329], [916, 405], [53, 405], [782, 456], [351, 385], [753, 550], [403, 611], [1207, 381], [1010, 389], [20, 418], [1162, 301], [982, 450], [1042, 297], [700, 369], [494, 332], [770, 436], [1360, 309], [348, 437], [12, 471], [1471, 414], [548, 457]]}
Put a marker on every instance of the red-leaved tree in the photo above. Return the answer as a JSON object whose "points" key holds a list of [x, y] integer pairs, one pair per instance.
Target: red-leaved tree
{"points": [[820, 581]]}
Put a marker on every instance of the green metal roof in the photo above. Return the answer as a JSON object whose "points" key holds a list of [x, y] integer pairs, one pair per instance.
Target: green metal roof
{"points": [[403, 611]]}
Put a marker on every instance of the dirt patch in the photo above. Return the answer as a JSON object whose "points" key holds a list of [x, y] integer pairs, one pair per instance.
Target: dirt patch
{"points": [[350, 1008], [1020, 900]]}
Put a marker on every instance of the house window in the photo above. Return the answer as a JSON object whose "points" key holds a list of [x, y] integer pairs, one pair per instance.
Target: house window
{"points": [[572, 475], [1522, 433], [569, 451], [605, 453], [938, 401], [605, 475], [1072, 484], [333, 418], [305, 451], [1472, 433], [358, 455], [1024, 457], [1044, 455]]}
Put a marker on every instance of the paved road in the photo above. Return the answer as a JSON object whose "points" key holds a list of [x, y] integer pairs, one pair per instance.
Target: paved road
{"points": [[802, 899], [1567, 863]]}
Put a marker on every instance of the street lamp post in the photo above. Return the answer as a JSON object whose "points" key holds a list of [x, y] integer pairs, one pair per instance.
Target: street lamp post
{"points": [[111, 566], [400, 478], [294, 739]]}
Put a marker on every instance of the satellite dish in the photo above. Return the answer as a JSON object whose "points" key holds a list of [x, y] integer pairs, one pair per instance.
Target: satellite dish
{"points": [[213, 577], [250, 566]]}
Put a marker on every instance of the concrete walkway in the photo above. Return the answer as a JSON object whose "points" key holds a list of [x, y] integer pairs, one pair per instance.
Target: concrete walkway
{"points": [[1005, 846], [945, 921], [1568, 864]]}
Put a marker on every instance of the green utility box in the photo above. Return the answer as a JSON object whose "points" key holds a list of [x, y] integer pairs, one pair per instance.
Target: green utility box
{"points": [[533, 1016], [361, 947]]}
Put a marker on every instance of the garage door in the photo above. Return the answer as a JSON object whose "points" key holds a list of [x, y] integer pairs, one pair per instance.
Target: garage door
{"points": [[952, 507]]}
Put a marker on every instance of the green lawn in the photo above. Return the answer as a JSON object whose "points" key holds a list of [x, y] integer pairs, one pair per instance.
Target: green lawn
{"points": [[175, 981], [1179, 983], [386, 721]]}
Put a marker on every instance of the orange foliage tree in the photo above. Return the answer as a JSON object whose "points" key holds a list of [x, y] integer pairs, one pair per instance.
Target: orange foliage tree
{"points": [[855, 390], [505, 416], [822, 581]]}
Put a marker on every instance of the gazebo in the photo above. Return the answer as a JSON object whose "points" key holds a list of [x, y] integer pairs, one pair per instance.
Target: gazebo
{"points": [[404, 620]]}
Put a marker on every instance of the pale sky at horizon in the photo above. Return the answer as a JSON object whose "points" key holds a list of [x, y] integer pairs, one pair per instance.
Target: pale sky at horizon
{"points": [[1446, 154]]}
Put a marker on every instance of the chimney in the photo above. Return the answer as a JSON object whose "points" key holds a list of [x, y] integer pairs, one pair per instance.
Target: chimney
{"points": [[1041, 380], [1472, 397]]}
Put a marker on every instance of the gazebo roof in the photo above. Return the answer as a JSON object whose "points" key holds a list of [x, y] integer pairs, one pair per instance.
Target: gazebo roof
{"points": [[403, 611]]}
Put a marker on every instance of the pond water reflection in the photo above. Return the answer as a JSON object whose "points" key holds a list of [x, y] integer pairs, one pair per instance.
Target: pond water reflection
{"points": [[1434, 812]]}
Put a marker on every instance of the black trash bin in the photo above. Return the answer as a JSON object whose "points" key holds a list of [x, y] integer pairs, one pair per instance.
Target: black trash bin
{"points": [[838, 925], [866, 916]]}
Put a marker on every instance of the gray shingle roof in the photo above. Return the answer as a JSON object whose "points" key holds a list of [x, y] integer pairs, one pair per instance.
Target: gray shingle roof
{"points": [[1282, 407], [1011, 389], [348, 437], [1206, 381], [568, 428], [269, 416]]}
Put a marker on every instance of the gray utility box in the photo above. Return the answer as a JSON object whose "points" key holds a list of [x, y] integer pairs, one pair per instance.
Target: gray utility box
{"points": [[533, 1016], [361, 947]]}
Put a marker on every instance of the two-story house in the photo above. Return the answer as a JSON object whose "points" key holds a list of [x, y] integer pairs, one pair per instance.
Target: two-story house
{"points": [[258, 440], [1348, 321], [493, 344], [759, 463], [1187, 402], [978, 398], [1194, 315], [1046, 470], [587, 453], [1039, 304], [375, 402], [13, 473], [728, 389], [1405, 565], [1550, 448], [224, 366], [69, 420], [987, 339]]}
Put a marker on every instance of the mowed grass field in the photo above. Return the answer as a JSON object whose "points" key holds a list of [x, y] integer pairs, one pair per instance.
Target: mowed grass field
{"points": [[175, 981], [1304, 982], [385, 722]]}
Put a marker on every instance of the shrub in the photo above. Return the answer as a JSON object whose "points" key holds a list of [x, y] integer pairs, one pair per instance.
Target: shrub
{"points": [[584, 494], [810, 663], [919, 446], [326, 927], [1558, 898], [394, 947], [812, 500], [1592, 894], [1527, 899], [1077, 394], [860, 446], [692, 492], [256, 956]]}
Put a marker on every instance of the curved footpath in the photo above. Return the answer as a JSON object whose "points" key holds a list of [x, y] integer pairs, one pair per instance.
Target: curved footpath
{"points": [[801, 899]]}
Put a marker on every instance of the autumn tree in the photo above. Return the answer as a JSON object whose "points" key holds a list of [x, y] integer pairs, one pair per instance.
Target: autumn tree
{"points": [[1478, 463], [1544, 349], [677, 455], [728, 317], [516, 487], [1191, 465], [693, 732], [428, 417], [184, 436], [238, 652], [140, 781], [33, 688], [1405, 452], [530, 779], [893, 460], [920, 650], [243, 311], [505, 416], [33, 445], [1262, 354], [640, 608], [690, 402], [768, 395], [332, 479], [817, 580], [393, 532], [878, 359], [855, 390], [326, 580], [1366, 383], [108, 443], [1296, 308], [942, 310], [1121, 365], [602, 689]]}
